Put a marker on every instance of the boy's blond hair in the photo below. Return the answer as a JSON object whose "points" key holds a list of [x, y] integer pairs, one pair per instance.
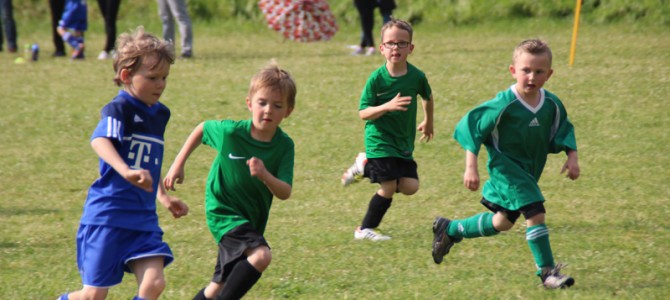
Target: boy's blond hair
{"points": [[273, 77], [400, 24], [532, 46], [132, 48]]}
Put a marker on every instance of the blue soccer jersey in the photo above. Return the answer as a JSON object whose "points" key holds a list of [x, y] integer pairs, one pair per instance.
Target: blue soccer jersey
{"points": [[136, 130]]}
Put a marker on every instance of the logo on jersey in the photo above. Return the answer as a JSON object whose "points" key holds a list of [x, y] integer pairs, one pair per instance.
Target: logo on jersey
{"points": [[534, 123], [137, 119], [231, 156], [140, 150]]}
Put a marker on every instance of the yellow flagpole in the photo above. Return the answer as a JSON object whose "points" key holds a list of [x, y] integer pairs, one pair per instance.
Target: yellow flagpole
{"points": [[575, 28]]}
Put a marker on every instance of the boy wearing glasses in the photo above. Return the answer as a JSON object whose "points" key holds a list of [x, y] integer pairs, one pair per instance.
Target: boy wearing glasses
{"points": [[388, 105]]}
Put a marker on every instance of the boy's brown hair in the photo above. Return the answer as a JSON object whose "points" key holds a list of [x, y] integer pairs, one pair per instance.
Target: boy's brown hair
{"points": [[274, 78], [132, 48], [532, 46]]}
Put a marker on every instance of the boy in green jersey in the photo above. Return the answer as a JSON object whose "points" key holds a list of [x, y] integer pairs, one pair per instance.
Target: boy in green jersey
{"points": [[519, 128], [389, 106], [254, 163]]}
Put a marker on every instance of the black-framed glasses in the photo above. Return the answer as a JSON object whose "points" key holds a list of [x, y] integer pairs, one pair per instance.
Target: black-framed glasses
{"points": [[401, 44]]}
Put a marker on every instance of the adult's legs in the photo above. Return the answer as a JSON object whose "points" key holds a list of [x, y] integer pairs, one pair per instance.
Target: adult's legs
{"points": [[165, 14], [109, 10], [180, 12], [10, 26], [56, 7], [366, 13]]}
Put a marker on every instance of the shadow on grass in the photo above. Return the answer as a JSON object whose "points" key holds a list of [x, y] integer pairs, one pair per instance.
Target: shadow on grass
{"points": [[14, 211], [8, 245]]}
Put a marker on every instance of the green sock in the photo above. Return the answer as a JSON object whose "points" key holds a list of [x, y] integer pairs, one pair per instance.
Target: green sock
{"points": [[476, 226], [538, 241]]}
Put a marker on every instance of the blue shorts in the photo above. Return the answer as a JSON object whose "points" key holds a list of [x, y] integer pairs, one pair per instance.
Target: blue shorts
{"points": [[74, 16], [103, 252]]}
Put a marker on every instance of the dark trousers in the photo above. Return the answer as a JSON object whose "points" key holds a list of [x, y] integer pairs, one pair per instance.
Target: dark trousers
{"points": [[57, 7], [7, 15], [109, 10], [366, 9]]}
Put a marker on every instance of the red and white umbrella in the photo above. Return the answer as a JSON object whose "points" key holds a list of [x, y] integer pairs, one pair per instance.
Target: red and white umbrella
{"points": [[300, 20]]}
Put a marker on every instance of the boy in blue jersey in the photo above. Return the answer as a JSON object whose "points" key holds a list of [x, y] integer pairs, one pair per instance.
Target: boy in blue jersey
{"points": [[519, 128], [72, 25], [388, 105], [119, 229], [253, 164]]}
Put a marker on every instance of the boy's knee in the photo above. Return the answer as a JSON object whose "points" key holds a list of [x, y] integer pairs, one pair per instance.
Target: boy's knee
{"points": [[409, 191], [501, 222], [408, 186], [260, 258], [153, 287]]}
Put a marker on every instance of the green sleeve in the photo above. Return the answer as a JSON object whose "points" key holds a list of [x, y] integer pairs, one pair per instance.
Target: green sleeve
{"points": [[476, 127], [369, 93], [212, 133]]}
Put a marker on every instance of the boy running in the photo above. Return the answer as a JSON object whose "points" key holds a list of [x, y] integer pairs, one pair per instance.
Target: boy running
{"points": [[119, 230], [519, 128], [388, 105], [254, 164]]}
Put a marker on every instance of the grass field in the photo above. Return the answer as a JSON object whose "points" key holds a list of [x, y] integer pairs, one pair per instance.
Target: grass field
{"points": [[611, 226]]}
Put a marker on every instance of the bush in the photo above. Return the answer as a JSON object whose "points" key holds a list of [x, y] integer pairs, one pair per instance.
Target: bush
{"points": [[454, 12]]}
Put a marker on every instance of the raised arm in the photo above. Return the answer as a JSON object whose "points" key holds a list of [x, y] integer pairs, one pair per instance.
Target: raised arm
{"points": [[277, 187], [374, 112], [176, 172]]}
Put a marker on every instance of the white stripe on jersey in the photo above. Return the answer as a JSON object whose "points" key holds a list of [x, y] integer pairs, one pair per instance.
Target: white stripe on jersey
{"points": [[113, 127], [143, 137]]}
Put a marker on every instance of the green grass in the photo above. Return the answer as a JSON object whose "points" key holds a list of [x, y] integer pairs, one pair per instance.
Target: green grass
{"points": [[611, 225]]}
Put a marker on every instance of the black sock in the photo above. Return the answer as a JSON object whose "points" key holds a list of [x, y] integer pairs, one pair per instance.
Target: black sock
{"points": [[241, 279], [201, 295], [376, 211]]}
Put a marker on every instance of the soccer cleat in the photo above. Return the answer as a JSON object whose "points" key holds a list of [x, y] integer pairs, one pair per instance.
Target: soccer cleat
{"points": [[553, 279], [355, 172], [442, 242], [107, 55], [369, 234], [370, 51], [78, 52]]}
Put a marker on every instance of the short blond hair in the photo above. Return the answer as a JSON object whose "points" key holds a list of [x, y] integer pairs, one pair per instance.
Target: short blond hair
{"points": [[132, 48], [275, 78], [400, 24], [532, 46]]}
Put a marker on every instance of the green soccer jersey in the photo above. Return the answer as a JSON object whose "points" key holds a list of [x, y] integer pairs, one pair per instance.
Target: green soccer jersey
{"points": [[233, 197], [518, 139], [393, 134]]}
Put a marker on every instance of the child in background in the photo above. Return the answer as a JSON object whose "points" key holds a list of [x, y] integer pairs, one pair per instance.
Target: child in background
{"points": [[119, 228], [388, 105], [519, 128], [254, 163], [72, 26]]}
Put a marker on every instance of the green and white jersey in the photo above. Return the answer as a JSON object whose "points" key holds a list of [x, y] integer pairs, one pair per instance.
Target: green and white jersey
{"points": [[232, 196], [518, 139], [393, 134]]}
